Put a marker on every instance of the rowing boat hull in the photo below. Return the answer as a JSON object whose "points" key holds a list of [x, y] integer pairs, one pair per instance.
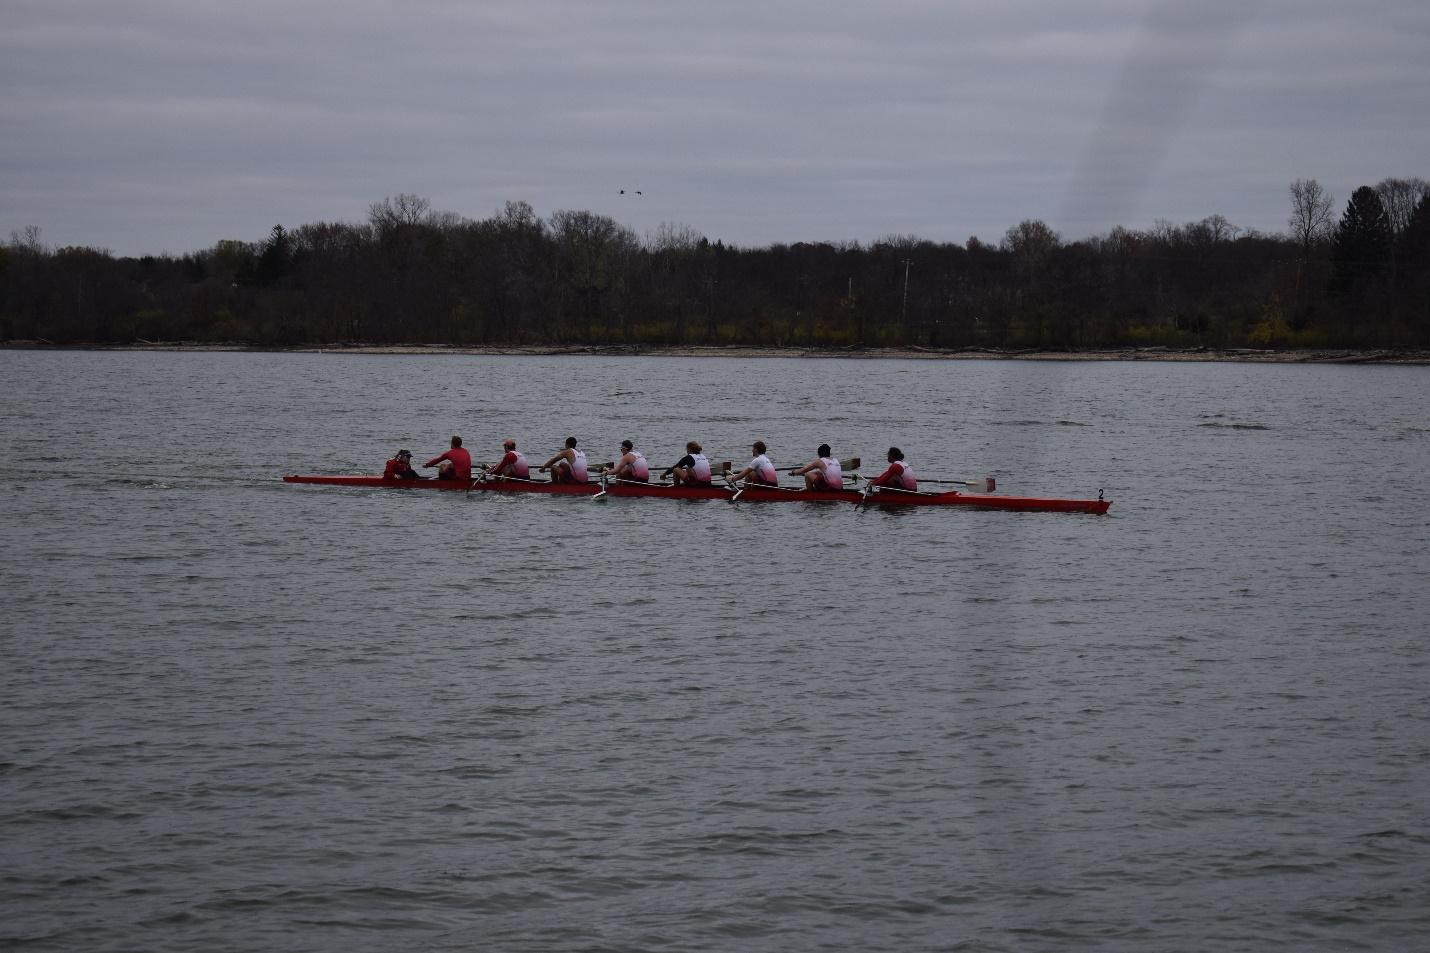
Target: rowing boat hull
{"points": [[474, 486], [514, 485], [667, 491], [771, 494], [980, 501], [377, 481], [753, 494]]}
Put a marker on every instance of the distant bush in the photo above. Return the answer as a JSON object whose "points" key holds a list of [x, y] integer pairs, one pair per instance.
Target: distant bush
{"points": [[1142, 335], [653, 332], [1272, 331], [1310, 339]]}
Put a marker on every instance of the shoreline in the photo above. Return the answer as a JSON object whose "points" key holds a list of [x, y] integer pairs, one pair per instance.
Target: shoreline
{"points": [[1198, 354]]}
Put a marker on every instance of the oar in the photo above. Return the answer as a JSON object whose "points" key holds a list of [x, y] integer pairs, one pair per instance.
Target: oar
{"points": [[527, 481], [596, 467], [591, 466], [985, 485], [851, 464], [898, 489], [864, 497], [771, 486], [605, 484], [872, 489], [724, 468], [486, 467], [763, 486], [497, 478]]}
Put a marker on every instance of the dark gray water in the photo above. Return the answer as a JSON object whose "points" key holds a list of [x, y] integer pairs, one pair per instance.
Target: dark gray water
{"points": [[244, 715]]}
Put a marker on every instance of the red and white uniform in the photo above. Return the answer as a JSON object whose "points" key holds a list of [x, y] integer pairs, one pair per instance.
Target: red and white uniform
{"points": [[763, 471], [461, 462], [899, 475], [833, 473], [700, 470], [579, 473], [513, 464], [637, 468]]}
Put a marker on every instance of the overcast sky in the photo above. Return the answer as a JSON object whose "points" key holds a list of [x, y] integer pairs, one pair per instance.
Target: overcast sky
{"points": [[150, 126]]}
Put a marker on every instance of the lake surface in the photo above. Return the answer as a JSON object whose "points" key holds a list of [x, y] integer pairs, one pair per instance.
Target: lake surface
{"points": [[245, 715]]}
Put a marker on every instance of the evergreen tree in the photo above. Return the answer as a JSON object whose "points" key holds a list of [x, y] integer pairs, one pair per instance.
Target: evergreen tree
{"points": [[1361, 246], [277, 254]]}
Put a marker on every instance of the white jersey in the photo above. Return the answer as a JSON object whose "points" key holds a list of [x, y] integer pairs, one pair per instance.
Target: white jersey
{"points": [[764, 469], [578, 466], [519, 467], [640, 470], [906, 477], [833, 473], [701, 470]]}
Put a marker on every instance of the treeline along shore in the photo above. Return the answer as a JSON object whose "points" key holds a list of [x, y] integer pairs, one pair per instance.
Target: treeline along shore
{"points": [[412, 276]]}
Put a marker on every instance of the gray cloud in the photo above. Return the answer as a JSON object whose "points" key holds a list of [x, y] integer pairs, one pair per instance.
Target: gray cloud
{"points": [[165, 126]]}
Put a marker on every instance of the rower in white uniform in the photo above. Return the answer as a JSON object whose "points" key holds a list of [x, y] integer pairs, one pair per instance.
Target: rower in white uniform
{"points": [[632, 464], [512, 463], [568, 465], [693, 469], [899, 476], [822, 473], [759, 470]]}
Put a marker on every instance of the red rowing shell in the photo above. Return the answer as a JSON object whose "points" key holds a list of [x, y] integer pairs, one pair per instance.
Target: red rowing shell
{"points": [[763, 494], [990, 502], [381, 481], [502, 485], [771, 494], [754, 494]]}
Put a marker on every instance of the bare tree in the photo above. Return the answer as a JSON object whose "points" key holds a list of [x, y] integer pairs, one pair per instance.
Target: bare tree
{"points": [[519, 216], [596, 254], [1031, 242], [1310, 221], [27, 239], [402, 209], [903, 244], [1400, 196], [1214, 229], [673, 236]]}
